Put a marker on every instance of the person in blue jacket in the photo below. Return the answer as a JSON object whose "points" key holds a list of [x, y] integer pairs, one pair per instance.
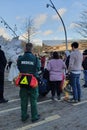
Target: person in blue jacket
{"points": [[29, 63]]}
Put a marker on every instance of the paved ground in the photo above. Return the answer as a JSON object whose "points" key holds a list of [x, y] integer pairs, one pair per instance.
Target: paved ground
{"points": [[57, 115]]}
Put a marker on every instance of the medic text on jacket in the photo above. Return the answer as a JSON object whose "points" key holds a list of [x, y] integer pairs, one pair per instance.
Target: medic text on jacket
{"points": [[27, 62]]}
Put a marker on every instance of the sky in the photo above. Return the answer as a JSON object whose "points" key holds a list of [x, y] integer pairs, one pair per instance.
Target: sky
{"points": [[46, 21]]}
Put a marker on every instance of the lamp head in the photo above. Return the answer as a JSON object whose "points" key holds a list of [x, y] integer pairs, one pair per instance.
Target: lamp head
{"points": [[47, 5]]}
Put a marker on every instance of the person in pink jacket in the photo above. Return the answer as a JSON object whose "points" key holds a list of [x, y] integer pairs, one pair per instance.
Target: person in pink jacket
{"points": [[56, 68]]}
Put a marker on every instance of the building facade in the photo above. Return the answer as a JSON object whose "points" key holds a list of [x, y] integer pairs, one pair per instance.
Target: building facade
{"points": [[48, 47]]}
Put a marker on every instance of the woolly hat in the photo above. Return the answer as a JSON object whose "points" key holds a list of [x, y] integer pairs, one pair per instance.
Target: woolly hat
{"points": [[85, 52]]}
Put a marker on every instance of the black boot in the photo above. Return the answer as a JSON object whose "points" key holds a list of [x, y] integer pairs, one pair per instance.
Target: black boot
{"points": [[2, 99]]}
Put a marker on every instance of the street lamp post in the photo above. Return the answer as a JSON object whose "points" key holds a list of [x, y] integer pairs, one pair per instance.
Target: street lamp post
{"points": [[52, 6]]}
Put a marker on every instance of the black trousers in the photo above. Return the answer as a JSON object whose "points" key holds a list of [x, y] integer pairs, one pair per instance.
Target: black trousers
{"points": [[55, 87], [1, 85]]}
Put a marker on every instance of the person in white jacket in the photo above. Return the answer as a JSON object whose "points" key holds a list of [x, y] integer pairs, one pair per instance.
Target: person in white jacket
{"points": [[13, 72], [75, 66]]}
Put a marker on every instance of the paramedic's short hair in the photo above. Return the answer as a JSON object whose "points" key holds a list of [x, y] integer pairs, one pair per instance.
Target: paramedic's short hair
{"points": [[29, 47]]}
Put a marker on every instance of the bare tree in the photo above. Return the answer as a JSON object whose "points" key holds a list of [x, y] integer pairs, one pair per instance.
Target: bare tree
{"points": [[37, 49], [29, 29], [82, 24]]}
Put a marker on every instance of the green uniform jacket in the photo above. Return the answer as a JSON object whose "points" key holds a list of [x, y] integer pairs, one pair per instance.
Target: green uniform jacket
{"points": [[28, 63]]}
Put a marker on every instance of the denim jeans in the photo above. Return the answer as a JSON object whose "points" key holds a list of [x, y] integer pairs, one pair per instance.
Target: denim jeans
{"points": [[85, 76], [75, 83]]}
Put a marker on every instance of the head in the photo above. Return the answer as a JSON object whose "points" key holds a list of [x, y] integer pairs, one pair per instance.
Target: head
{"points": [[29, 47], [55, 55], [75, 45], [85, 53]]}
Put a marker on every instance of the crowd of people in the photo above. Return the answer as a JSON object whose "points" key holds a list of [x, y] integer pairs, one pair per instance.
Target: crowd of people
{"points": [[57, 66]]}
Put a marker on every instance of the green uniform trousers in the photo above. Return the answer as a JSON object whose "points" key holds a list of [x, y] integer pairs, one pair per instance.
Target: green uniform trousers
{"points": [[32, 94]]}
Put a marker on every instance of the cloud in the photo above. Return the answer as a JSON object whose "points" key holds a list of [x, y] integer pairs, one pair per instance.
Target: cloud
{"points": [[73, 25], [4, 33], [18, 17], [61, 29], [23, 36], [40, 20], [21, 19], [61, 11], [77, 4], [56, 38], [48, 32], [37, 41]]}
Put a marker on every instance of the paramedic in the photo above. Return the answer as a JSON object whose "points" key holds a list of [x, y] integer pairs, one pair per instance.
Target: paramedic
{"points": [[29, 63]]}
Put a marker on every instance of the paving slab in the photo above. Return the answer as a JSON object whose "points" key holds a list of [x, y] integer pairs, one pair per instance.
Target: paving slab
{"points": [[55, 115]]}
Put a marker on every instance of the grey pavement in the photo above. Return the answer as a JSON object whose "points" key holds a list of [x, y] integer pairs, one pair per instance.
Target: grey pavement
{"points": [[55, 115]]}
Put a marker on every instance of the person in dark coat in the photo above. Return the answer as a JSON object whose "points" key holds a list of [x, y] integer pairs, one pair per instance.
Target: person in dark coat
{"points": [[3, 62], [84, 64], [67, 57]]}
